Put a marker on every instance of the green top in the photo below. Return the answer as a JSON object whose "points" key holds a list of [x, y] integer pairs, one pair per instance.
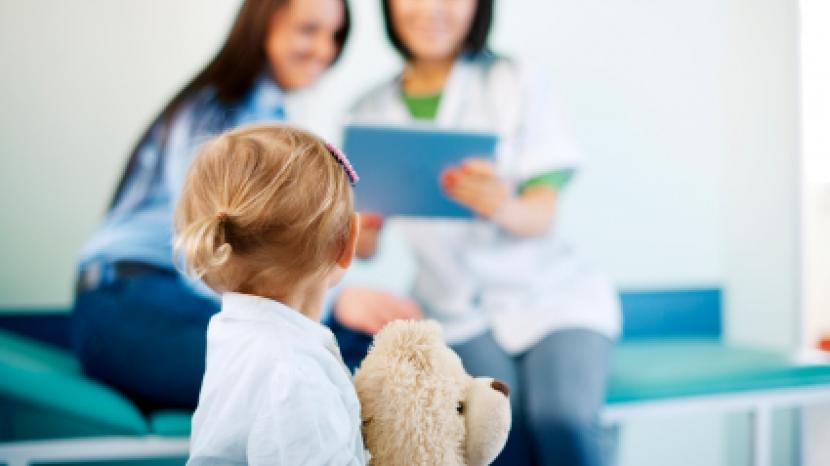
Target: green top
{"points": [[554, 179], [425, 107], [422, 107]]}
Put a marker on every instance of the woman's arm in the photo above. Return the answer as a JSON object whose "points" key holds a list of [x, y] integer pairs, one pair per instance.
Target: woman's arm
{"points": [[529, 213], [195, 123]]}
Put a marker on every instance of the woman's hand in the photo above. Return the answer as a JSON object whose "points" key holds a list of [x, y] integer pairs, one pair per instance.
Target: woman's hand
{"points": [[367, 240], [368, 311], [475, 185]]}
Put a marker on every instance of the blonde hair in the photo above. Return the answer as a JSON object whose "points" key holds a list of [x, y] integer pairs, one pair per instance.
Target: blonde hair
{"points": [[263, 206]]}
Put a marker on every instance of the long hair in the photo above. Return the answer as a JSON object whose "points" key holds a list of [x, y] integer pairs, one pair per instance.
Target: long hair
{"points": [[230, 73]]}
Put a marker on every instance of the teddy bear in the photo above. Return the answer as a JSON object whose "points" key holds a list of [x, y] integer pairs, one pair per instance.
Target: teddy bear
{"points": [[419, 406]]}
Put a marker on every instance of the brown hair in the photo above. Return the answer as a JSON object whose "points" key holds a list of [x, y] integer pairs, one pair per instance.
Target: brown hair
{"points": [[263, 205]]}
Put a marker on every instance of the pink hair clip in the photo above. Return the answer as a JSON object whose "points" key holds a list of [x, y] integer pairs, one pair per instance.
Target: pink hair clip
{"points": [[344, 162]]}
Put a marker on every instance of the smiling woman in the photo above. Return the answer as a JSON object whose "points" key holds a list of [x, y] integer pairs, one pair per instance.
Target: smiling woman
{"points": [[299, 45], [431, 36], [139, 325]]}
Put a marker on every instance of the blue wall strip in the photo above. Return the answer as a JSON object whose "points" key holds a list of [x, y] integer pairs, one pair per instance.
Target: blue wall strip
{"points": [[693, 313]]}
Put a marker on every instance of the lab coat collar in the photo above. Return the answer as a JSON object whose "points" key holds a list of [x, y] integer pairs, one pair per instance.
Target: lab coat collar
{"points": [[245, 307], [452, 96]]}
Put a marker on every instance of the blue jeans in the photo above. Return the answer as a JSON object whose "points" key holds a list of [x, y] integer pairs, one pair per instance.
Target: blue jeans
{"points": [[557, 389], [144, 335]]}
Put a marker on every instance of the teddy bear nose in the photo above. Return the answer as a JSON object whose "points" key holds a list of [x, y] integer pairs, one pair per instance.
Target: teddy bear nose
{"points": [[500, 386]]}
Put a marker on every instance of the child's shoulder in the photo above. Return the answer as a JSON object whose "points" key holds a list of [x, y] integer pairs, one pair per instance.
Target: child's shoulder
{"points": [[281, 347], [295, 372], [271, 345]]}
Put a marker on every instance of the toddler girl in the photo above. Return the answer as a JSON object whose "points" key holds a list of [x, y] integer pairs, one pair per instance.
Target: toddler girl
{"points": [[266, 219]]}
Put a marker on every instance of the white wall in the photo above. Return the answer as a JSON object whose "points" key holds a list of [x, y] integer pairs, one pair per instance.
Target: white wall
{"points": [[815, 204], [640, 81], [80, 80], [815, 165], [760, 108], [687, 111]]}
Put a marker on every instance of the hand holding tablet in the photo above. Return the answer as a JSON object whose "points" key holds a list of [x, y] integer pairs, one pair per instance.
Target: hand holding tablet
{"points": [[476, 185]]}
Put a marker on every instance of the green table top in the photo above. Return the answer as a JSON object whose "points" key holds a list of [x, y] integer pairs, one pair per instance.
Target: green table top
{"points": [[657, 369]]}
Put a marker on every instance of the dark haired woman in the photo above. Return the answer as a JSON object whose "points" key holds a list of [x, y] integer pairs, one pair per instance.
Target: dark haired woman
{"points": [[138, 324], [515, 303]]}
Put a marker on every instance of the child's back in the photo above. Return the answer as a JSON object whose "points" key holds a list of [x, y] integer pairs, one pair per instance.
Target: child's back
{"points": [[274, 389], [266, 218]]}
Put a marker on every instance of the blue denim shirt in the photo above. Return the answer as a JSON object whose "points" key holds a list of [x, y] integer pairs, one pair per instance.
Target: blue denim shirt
{"points": [[139, 226]]}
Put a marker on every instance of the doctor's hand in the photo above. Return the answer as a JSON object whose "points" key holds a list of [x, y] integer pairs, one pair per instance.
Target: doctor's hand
{"points": [[475, 185], [368, 311], [367, 239]]}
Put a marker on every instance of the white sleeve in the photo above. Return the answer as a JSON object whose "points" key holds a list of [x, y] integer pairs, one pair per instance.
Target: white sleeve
{"points": [[302, 421], [544, 142]]}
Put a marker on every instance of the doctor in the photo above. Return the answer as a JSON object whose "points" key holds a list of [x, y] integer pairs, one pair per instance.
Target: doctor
{"points": [[515, 302]]}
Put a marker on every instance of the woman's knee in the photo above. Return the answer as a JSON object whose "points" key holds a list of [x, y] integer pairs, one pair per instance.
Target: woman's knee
{"points": [[565, 375]]}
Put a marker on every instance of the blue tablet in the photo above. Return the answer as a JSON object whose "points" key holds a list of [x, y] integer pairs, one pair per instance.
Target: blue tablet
{"points": [[399, 167]]}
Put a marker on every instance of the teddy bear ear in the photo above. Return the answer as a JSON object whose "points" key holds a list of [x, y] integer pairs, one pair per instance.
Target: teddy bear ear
{"points": [[411, 341]]}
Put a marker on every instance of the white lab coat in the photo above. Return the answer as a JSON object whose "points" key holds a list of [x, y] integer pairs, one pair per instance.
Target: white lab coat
{"points": [[275, 391], [472, 276]]}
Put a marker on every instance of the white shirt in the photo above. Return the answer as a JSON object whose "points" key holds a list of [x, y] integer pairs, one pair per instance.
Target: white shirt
{"points": [[275, 391], [471, 275]]}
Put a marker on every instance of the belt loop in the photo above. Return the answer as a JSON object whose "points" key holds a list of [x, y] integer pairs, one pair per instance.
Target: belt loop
{"points": [[96, 274], [91, 275]]}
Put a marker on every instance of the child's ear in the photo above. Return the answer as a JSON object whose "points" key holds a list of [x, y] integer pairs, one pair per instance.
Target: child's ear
{"points": [[345, 259]]}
